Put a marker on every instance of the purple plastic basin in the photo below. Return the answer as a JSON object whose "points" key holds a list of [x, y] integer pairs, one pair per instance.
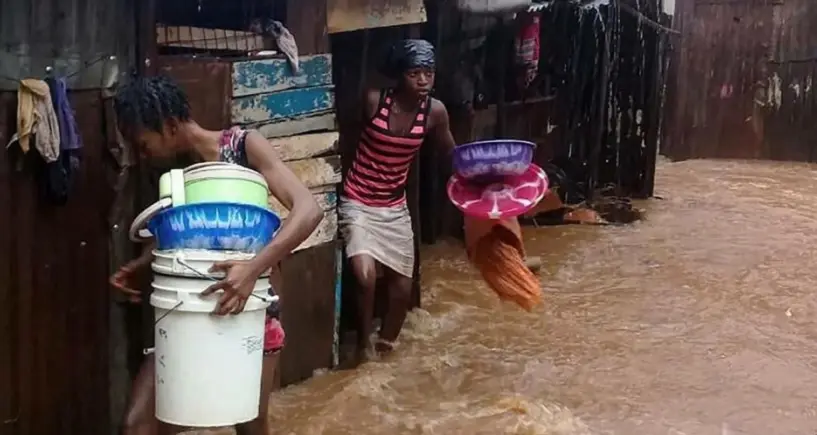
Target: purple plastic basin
{"points": [[493, 158]]}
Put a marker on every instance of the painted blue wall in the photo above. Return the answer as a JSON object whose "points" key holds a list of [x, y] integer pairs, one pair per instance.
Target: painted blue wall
{"points": [[289, 104], [271, 75]]}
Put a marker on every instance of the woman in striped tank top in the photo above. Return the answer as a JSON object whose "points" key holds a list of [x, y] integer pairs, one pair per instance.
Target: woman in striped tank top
{"points": [[374, 217]]}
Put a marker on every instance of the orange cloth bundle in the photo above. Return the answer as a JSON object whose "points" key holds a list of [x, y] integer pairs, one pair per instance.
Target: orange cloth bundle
{"points": [[496, 248]]}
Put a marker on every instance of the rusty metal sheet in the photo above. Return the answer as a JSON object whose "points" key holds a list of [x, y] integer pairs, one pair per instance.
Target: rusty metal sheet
{"points": [[54, 332], [9, 399], [788, 100], [74, 37], [306, 19], [742, 81], [348, 15], [208, 84]]}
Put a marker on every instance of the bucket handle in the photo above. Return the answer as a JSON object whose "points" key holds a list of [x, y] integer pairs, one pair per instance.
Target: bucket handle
{"points": [[270, 299], [139, 225], [179, 258]]}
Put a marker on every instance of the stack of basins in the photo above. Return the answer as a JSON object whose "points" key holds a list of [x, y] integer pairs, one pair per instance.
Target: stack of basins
{"points": [[208, 368], [495, 179]]}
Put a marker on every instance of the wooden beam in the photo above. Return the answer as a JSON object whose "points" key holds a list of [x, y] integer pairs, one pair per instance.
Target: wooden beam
{"points": [[253, 77], [349, 15], [308, 294], [292, 127], [283, 105], [305, 146], [320, 171], [326, 201]]}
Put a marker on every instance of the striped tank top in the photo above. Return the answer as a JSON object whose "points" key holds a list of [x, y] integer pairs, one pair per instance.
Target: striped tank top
{"points": [[378, 174]]}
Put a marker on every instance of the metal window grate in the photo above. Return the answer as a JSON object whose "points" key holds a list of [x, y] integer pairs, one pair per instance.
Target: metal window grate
{"points": [[204, 39]]}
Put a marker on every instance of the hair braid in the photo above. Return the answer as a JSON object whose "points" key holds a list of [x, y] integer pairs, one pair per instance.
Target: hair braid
{"points": [[148, 102]]}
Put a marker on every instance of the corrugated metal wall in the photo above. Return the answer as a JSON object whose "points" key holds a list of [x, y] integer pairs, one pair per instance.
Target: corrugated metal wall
{"points": [[598, 124], [54, 295], [790, 130], [55, 303], [67, 35], [742, 81]]}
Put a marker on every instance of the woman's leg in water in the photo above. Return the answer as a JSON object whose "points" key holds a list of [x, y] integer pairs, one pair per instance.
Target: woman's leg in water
{"points": [[261, 425], [140, 417], [365, 271], [399, 288]]}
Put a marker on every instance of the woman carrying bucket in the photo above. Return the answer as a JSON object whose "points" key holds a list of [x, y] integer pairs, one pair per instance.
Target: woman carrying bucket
{"points": [[154, 115], [374, 218]]}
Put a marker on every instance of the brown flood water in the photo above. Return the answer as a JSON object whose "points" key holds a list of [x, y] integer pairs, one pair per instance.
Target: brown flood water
{"points": [[701, 319]]}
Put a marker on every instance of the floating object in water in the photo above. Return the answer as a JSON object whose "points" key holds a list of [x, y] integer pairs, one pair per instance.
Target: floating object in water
{"points": [[510, 197], [496, 249], [492, 159], [533, 263]]}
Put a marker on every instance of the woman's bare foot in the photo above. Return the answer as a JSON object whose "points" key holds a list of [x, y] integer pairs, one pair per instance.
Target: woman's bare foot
{"points": [[383, 347]]}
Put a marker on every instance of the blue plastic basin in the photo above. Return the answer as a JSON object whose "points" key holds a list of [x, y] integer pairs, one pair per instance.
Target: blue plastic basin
{"points": [[221, 226], [493, 158]]}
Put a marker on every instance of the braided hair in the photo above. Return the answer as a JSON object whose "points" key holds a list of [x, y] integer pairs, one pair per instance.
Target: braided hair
{"points": [[148, 102]]}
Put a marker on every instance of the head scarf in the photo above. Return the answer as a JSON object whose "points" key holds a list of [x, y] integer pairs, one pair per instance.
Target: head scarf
{"points": [[408, 54]]}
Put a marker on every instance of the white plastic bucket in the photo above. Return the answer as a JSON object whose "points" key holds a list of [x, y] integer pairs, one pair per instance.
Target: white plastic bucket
{"points": [[208, 368]]}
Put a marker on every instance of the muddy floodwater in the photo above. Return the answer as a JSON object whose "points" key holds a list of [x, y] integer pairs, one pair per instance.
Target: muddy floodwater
{"points": [[701, 319]]}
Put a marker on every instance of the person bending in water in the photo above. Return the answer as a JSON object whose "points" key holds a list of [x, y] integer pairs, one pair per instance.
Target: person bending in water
{"points": [[374, 219], [154, 115]]}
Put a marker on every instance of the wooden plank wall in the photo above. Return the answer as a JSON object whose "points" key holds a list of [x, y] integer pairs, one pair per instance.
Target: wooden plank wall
{"points": [[739, 82], [296, 112], [350, 15]]}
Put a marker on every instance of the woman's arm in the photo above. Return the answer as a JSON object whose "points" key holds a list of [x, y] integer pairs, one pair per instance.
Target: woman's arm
{"points": [[304, 213], [441, 127], [304, 216], [147, 253]]}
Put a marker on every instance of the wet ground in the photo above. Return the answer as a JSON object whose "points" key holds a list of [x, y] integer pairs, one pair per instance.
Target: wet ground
{"points": [[701, 319]]}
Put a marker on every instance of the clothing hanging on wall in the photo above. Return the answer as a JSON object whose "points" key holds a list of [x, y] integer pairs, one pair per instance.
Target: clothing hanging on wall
{"points": [[527, 48], [61, 174], [36, 119]]}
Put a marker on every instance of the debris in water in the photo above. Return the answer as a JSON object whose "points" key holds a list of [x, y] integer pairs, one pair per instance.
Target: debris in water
{"points": [[534, 264], [496, 249]]}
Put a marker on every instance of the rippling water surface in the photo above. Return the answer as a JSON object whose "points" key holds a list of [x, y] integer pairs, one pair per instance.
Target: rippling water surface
{"points": [[698, 320]]}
